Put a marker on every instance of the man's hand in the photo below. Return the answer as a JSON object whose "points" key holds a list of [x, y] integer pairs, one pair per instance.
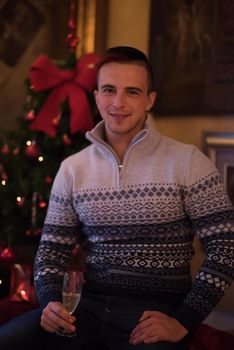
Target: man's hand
{"points": [[55, 316], [155, 326]]}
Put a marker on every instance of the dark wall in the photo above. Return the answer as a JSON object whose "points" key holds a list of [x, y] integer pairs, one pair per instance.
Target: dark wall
{"points": [[28, 28]]}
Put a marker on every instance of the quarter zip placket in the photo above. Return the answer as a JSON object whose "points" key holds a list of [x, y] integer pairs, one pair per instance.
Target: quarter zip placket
{"points": [[120, 174], [120, 166]]}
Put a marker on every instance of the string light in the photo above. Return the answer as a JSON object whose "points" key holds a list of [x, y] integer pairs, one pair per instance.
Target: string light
{"points": [[20, 201], [40, 158], [28, 143], [23, 293], [3, 175]]}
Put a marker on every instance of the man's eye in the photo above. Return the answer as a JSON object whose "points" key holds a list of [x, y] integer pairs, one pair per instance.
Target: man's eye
{"points": [[108, 90], [133, 92]]}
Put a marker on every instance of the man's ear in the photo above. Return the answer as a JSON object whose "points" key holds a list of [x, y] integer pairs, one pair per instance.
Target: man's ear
{"points": [[151, 100], [95, 93]]}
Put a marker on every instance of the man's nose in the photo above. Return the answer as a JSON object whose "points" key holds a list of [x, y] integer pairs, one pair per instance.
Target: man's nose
{"points": [[118, 99]]}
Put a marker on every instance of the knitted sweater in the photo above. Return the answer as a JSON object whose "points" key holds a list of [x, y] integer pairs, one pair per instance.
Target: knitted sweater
{"points": [[139, 219]]}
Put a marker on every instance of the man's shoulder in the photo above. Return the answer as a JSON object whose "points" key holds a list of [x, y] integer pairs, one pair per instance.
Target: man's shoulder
{"points": [[176, 145]]}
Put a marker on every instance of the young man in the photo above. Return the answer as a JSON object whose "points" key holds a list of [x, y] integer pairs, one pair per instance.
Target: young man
{"points": [[136, 199]]}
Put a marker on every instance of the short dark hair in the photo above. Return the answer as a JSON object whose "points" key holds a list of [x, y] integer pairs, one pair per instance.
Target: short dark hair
{"points": [[127, 54]]}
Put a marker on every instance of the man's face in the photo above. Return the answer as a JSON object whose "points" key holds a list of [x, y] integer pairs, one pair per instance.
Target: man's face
{"points": [[123, 99]]}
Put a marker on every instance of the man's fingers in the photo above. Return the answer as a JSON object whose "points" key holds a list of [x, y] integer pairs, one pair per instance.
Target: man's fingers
{"points": [[55, 316], [148, 314], [140, 327], [155, 326]]}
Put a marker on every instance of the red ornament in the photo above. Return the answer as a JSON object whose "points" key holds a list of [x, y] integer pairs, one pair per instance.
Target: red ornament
{"points": [[32, 151], [66, 140], [42, 204], [29, 233], [4, 177], [30, 116], [72, 39], [76, 250], [16, 151], [56, 120], [8, 255], [5, 149], [48, 180], [33, 232], [38, 232]]}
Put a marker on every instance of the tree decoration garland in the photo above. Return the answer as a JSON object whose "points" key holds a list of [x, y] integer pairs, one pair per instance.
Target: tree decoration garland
{"points": [[71, 38]]}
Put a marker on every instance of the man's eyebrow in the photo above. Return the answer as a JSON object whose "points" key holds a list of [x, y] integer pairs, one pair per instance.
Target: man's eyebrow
{"points": [[133, 88], [109, 86], [128, 88]]}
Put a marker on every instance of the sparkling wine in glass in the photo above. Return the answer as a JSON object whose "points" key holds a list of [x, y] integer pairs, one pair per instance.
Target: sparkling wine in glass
{"points": [[71, 293]]}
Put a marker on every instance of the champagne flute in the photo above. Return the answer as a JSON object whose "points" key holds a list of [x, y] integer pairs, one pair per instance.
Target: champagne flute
{"points": [[71, 293]]}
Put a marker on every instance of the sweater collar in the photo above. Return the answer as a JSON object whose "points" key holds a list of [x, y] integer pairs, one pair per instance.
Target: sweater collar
{"points": [[150, 136], [98, 133]]}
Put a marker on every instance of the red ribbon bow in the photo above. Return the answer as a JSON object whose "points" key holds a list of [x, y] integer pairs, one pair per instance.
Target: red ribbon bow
{"points": [[72, 84]]}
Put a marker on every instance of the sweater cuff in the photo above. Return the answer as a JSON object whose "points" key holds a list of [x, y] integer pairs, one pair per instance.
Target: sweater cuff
{"points": [[45, 299], [188, 317]]}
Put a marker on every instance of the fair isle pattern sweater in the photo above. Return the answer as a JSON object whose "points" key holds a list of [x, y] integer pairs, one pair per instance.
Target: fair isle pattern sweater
{"points": [[139, 219]]}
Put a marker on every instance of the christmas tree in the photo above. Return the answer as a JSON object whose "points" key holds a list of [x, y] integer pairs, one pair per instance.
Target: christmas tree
{"points": [[58, 111]]}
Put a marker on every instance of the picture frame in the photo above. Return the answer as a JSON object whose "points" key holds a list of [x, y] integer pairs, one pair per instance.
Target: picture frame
{"points": [[191, 51], [219, 147], [19, 24]]}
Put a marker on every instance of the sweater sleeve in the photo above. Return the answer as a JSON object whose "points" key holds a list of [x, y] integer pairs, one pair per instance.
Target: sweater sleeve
{"points": [[212, 217], [58, 238]]}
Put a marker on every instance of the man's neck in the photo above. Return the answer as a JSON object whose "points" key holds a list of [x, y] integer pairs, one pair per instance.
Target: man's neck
{"points": [[119, 145], [120, 141]]}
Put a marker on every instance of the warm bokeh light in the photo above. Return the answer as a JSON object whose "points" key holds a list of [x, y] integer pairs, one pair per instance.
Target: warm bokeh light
{"points": [[28, 143], [42, 204], [41, 159], [22, 292]]}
